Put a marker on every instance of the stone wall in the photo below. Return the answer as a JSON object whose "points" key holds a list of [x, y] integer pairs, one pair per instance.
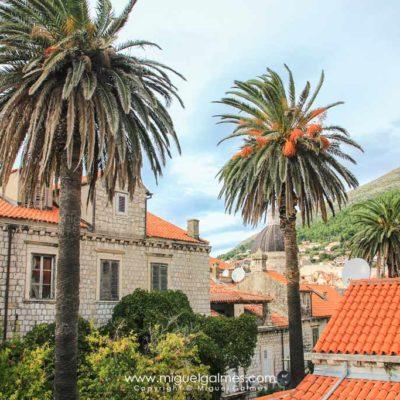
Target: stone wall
{"points": [[109, 222], [276, 342], [188, 270]]}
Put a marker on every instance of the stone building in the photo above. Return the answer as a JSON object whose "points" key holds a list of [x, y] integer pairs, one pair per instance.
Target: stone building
{"points": [[265, 276], [358, 355], [123, 247]]}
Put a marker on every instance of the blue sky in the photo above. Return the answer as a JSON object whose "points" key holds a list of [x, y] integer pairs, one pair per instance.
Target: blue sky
{"points": [[214, 42]]}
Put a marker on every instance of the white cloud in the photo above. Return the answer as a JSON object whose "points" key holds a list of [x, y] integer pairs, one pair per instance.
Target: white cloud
{"points": [[194, 174]]}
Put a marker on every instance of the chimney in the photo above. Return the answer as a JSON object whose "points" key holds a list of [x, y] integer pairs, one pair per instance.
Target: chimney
{"points": [[193, 228]]}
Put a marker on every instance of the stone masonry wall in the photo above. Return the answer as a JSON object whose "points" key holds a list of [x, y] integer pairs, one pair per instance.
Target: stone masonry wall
{"points": [[187, 270], [109, 222], [271, 340]]}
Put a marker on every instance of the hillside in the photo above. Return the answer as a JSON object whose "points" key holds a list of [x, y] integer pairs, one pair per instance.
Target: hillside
{"points": [[339, 227]]}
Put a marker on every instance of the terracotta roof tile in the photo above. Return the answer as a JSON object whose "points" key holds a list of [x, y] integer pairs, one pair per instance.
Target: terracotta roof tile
{"points": [[325, 299], [314, 387], [156, 226], [367, 320], [8, 210], [220, 293], [220, 263], [279, 320]]}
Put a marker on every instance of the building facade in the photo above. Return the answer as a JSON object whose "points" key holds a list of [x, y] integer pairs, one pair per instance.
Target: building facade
{"points": [[123, 247]]}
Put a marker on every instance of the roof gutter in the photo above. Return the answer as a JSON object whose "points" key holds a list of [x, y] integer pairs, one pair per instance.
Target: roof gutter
{"points": [[337, 384], [10, 228]]}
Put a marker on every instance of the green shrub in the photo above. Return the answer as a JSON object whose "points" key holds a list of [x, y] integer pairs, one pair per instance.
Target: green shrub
{"points": [[113, 362], [140, 311], [25, 373]]}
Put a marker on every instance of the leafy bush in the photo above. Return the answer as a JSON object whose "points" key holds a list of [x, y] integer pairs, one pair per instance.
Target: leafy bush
{"points": [[231, 341], [115, 368], [140, 311], [25, 373]]}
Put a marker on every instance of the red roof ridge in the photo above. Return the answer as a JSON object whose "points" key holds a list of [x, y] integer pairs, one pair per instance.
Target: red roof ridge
{"points": [[374, 281]]}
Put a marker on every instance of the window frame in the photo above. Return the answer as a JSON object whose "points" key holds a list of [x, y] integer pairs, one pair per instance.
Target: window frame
{"points": [[116, 206], [313, 330], [42, 255], [105, 258], [110, 255], [159, 264]]}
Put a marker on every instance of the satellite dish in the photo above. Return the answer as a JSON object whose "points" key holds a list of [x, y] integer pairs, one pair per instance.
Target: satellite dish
{"points": [[283, 378], [355, 268], [238, 274], [225, 273]]}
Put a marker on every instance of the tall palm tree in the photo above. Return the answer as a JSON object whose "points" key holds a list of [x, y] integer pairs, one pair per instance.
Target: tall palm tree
{"points": [[73, 100], [378, 235], [289, 162]]}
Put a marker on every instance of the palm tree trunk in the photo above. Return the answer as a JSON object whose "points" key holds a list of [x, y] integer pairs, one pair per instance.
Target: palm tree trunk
{"points": [[288, 225], [67, 288]]}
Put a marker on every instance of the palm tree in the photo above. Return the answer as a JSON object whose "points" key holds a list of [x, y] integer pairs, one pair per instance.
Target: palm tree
{"points": [[289, 162], [73, 100], [378, 234]]}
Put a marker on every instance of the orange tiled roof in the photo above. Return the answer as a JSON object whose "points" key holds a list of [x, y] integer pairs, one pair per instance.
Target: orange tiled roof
{"points": [[314, 387], [279, 320], [276, 318], [214, 313], [8, 210], [156, 226], [220, 263], [325, 299], [220, 293], [277, 276], [367, 321]]}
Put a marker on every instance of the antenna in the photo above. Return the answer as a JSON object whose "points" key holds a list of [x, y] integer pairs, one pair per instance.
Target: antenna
{"points": [[238, 274], [355, 268]]}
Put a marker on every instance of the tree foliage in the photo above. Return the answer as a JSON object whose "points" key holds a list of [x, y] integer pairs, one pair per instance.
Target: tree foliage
{"points": [[140, 311], [65, 80], [223, 342], [289, 156], [378, 234]]}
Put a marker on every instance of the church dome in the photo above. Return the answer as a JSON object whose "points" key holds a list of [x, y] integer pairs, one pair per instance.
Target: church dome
{"points": [[270, 238]]}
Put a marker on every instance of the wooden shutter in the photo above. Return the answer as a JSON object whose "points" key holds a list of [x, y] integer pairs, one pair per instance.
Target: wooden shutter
{"points": [[159, 277], [121, 204], [155, 276], [114, 281], [163, 277], [105, 281]]}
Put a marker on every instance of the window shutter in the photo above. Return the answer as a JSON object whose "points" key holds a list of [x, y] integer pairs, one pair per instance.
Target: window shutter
{"points": [[121, 204], [115, 281], [155, 280], [105, 281], [163, 277]]}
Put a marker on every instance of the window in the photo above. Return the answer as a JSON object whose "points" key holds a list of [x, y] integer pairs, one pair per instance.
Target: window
{"points": [[109, 280], [121, 204], [159, 277], [42, 277], [315, 335]]}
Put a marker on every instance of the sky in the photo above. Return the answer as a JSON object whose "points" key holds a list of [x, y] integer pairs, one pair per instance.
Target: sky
{"points": [[214, 42]]}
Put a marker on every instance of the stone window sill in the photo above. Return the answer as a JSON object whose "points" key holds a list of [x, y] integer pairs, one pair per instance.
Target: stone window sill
{"points": [[52, 301], [107, 301]]}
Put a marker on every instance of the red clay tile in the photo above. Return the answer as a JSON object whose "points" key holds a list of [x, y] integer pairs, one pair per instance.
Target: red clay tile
{"points": [[370, 327]]}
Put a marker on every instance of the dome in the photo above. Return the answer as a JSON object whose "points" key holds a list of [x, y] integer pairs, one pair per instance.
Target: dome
{"points": [[270, 238]]}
